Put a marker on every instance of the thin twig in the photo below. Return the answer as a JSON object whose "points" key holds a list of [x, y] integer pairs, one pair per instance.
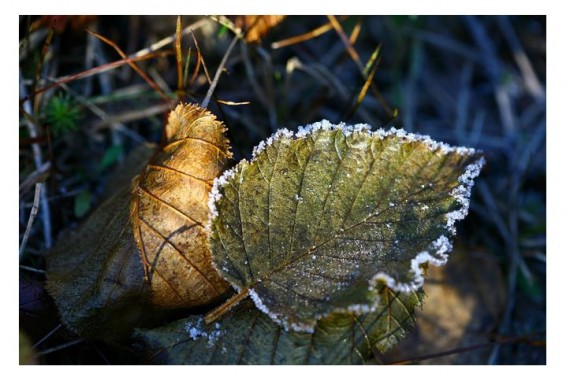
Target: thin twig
{"points": [[356, 32], [230, 103], [227, 23], [33, 213], [206, 100]]}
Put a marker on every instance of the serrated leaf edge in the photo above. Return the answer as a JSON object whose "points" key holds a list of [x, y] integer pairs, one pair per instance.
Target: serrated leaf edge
{"points": [[441, 246]]}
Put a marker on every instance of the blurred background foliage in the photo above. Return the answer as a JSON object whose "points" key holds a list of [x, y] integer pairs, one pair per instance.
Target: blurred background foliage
{"points": [[466, 80]]}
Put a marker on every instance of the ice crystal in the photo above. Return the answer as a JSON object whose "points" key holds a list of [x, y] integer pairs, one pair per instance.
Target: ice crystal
{"points": [[196, 332]]}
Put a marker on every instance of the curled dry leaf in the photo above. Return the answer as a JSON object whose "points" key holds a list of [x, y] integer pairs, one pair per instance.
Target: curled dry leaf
{"points": [[143, 249], [170, 209]]}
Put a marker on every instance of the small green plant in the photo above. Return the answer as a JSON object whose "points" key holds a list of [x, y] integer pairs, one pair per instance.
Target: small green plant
{"points": [[62, 114]]}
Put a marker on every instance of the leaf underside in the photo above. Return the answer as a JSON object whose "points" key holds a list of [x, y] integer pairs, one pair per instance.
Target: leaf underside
{"points": [[313, 221], [247, 336]]}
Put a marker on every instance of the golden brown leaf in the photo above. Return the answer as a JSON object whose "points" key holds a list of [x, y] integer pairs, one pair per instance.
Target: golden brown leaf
{"points": [[145, 247], [170, 209]]}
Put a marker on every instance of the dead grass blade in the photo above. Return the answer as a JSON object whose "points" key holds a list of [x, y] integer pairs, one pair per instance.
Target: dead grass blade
{"points": [[33, 213], [37, 176], [303, 37], [230, 103], [167, 40], [129, 116], [94, 71], [131, 64], [39, 66], [179, 56], [364, 90], [186, 69], [346, 41], [218, 73], [356, 32], [201, 58], [26, 110]]}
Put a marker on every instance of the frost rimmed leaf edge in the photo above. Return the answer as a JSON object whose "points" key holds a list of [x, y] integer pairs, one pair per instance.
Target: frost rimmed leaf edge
{"points": [[440, 246]]}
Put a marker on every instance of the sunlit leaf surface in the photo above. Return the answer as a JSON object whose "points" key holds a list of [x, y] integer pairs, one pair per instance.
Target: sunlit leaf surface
{"points": [[317, 220], [170, 209]]}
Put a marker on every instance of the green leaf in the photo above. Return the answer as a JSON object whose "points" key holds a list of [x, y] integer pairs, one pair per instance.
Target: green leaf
{"points": [[82, 203], [247, 336], [111, 156], [317, 220]]}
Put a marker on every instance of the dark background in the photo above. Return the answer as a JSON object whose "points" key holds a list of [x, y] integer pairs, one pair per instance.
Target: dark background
{"points": [[478, 81]]}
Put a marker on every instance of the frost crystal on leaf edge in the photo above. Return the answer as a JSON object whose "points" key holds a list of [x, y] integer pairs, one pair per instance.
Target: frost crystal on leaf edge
{"points": [[440, 247]]}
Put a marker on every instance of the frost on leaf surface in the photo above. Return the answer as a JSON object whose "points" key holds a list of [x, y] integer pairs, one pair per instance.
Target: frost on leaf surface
{"points": [[318, 219], [248, 336]]}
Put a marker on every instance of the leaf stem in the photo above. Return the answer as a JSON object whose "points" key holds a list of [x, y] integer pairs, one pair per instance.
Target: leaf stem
{"points": [[217, 313]]}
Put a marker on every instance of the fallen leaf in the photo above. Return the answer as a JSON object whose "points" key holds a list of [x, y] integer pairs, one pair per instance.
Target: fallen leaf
{"points": [[170, 209], [247, 336], [144, 249], [318, 219]]}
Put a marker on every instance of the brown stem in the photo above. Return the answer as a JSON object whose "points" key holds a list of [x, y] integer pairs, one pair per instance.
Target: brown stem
{"points": [[217, 313]]}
